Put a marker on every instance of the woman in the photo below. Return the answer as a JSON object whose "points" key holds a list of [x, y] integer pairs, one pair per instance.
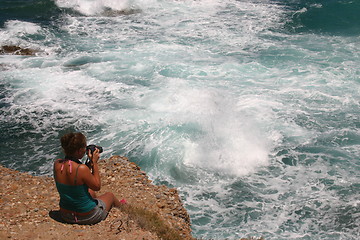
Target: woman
{"points": [[77, 184]]}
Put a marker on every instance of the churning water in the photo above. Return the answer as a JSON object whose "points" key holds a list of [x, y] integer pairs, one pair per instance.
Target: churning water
{"points": [[250, 108]]}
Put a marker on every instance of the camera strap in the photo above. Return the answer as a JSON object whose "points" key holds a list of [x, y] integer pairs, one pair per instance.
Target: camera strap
{"points": [[73, 159]]}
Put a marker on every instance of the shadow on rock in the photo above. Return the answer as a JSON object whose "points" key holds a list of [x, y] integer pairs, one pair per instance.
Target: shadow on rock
{"points": [[55, 214]]}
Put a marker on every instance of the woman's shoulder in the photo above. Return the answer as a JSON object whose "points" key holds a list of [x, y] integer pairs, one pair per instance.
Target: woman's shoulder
{"points": [[83, 167], [82, 170]]}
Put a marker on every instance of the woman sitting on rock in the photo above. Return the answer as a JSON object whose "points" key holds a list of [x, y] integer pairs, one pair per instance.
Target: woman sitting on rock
{"points": [[77, 183]]}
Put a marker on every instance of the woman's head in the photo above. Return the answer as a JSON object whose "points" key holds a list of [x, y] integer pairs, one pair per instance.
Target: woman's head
{"points": [[72, 143]]}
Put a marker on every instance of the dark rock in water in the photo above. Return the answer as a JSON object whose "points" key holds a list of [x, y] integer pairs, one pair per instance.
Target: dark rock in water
{"points": [[108, 12], [16, 50]]}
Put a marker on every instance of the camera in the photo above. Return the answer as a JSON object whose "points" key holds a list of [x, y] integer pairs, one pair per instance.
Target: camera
{"points": [[93, 147]]}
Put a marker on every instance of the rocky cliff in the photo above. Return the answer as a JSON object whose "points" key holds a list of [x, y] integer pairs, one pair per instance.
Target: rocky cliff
{"points": [[29, 207]]}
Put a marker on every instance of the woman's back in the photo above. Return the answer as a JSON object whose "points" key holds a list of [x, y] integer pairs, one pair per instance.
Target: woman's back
{"points": [[74, 194]]}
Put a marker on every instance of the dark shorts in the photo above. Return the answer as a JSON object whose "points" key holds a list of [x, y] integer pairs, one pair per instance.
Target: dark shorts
{"points": [[98, 214]]}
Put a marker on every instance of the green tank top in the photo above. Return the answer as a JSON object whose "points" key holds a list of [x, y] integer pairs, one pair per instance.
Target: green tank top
{"points": [[75, 197]]}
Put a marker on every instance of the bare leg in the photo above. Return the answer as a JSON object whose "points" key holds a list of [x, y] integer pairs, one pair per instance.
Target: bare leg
{"points": [[110, 200]]}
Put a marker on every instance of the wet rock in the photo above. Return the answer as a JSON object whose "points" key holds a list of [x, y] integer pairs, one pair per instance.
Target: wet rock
{"points": [[108, 12], [16, 50]]}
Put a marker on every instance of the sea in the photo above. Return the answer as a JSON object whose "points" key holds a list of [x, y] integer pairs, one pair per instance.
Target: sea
{"points": [[250, 108]]}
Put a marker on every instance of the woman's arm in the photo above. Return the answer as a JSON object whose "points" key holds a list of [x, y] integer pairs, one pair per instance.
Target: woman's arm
{"points": [[91, 179]]}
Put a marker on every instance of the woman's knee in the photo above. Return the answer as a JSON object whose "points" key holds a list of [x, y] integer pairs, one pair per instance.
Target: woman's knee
{"points": [[110, 195], [108, 199]]}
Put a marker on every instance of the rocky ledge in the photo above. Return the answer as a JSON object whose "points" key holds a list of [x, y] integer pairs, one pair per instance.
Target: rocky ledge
{"points": [[29, 207]]}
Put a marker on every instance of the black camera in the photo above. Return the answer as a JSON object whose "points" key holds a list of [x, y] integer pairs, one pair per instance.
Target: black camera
{"points": [[93, 147]]}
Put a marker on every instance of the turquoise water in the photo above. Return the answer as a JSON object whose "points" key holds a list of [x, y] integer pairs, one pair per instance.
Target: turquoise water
{"points": [[249, 108]]}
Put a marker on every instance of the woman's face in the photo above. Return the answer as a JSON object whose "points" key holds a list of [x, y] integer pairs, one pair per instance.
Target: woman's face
{"points": [[81, 152]]}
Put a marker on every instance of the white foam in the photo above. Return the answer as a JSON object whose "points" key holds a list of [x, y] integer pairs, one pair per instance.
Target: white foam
{"points": [[229, 142], [95, 7], [15, 29]]}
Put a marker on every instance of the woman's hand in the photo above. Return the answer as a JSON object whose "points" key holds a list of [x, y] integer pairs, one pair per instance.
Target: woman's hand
{"points": [[92, 178], [94, 157]]}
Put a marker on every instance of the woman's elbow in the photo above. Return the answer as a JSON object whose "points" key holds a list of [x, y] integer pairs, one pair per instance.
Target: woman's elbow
{"points": [[97, 187]]}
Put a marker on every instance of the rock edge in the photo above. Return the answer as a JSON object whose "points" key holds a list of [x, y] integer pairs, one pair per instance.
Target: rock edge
{"points": [[28, 205]]}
